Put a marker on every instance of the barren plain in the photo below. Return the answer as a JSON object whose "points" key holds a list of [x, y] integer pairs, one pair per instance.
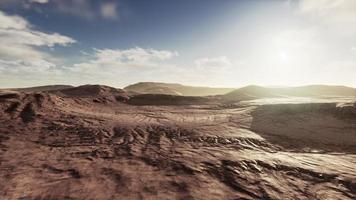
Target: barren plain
{"points": [[97, 142]]}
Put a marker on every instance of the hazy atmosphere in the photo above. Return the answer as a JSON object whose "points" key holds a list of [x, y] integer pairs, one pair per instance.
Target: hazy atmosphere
{"points": [[228, 43]]}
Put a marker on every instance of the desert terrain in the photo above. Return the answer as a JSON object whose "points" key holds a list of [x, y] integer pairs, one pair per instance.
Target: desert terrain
{"points": [[99, 142]]}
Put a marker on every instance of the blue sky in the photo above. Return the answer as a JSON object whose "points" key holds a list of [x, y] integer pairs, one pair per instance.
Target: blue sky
{"points": [[227, 43]]}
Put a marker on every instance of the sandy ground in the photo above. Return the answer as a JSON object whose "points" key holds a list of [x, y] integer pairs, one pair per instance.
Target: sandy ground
{"points": [[69, 145]]}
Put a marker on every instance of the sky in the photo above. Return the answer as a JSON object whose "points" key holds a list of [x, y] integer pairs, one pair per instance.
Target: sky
{"points": [[217, 43]]}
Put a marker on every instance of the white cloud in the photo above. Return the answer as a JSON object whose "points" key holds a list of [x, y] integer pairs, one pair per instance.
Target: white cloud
{"points": [[12, 22], [108, 10], [330, 10], [336, 17], [80, 8], [24, 3], [216, 62], [134, 55], [86, 9], [111, 60], [19, 43], [22, 59], [31, 37], [15, 30], [20, 73], [26, 67], [21, 52], [39, 1]]}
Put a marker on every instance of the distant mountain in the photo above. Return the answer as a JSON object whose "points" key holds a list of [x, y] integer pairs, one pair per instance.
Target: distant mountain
{"points": [[249, 93], [99, 93], [317, 90], [90, 90], [164, 99], [257, 92], [42, 88], [225, 94], [175, 89]]}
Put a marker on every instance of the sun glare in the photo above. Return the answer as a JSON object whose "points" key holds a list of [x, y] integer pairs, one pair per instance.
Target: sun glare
{"points": [[283, 56]]}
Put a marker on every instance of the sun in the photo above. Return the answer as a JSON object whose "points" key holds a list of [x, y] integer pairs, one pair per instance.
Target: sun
{"points": [[283, 56]]}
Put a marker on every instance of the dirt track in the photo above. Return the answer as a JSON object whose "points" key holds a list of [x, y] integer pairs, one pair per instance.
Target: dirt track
{"points": [[57, 146]]}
